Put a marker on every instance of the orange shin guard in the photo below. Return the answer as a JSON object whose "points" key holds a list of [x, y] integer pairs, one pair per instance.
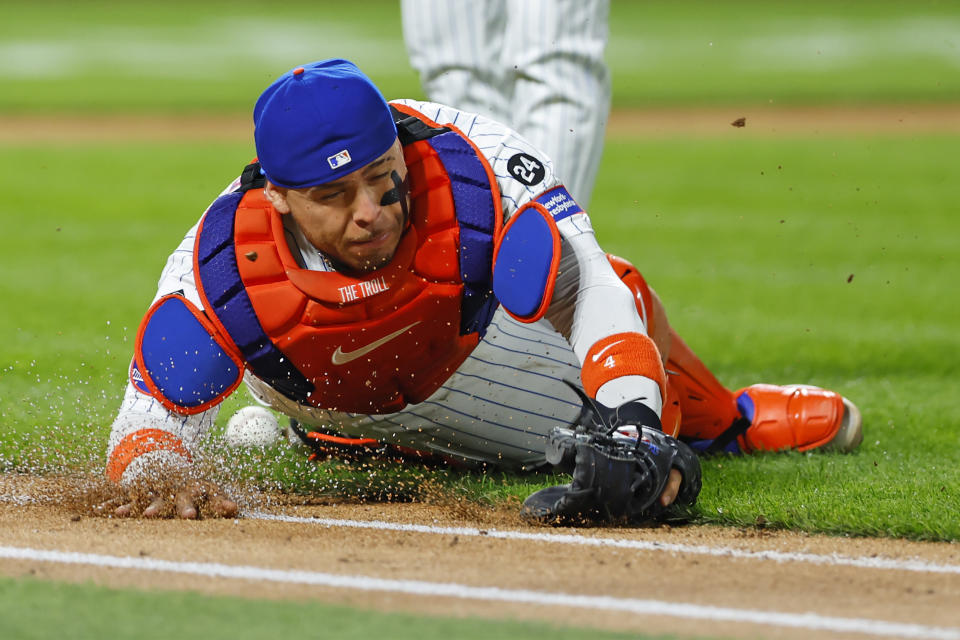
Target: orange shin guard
{"points": [[671, 416], [761, 417], [696, 401], [707, 407]]}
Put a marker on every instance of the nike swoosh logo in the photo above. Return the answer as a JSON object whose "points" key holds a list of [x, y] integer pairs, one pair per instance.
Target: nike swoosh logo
{"points": [[597, 355], [343, 357]]}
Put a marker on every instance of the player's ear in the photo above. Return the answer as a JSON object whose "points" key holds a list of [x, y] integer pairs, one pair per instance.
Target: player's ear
{"points": [[277, 197]]}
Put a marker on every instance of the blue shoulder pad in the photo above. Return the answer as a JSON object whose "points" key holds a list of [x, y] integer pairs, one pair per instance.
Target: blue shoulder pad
{"points": [[183, 360], [525, 263]]}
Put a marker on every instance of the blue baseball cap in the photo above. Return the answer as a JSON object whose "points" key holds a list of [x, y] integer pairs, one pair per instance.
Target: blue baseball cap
{"points": [[319, 122]]}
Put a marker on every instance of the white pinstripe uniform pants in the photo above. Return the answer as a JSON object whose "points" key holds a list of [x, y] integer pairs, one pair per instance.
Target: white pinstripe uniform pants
{"points": [[536, 65]]}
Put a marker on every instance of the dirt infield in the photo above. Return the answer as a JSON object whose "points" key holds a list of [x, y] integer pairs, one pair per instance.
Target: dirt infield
{"points": [[702, 574], [763, 120]]}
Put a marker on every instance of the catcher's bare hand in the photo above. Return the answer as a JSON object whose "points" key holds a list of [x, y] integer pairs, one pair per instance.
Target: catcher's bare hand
{"points": [[184, 503]]}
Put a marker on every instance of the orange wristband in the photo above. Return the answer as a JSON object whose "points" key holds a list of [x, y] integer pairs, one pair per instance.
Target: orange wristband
{"points": [[138, 443], [622, 354]]}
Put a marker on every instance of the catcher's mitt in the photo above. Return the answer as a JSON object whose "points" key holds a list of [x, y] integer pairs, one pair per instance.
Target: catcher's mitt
{"points": [[620, 462]]}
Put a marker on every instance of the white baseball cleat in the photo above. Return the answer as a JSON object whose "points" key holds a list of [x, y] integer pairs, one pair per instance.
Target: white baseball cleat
{"points": [[850, 434]]}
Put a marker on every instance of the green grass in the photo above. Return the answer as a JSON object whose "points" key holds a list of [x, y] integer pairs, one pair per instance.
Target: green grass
{"points": [[753, 51], [751, 244], [33, 610], [87, 233], [188, 56], [174, 56]]}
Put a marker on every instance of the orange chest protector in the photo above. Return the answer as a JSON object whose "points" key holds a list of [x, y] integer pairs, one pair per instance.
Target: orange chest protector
{"points": [[368, 344]]}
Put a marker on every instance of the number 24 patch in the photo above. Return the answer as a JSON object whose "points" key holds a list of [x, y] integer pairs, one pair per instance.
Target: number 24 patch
{"points": [[526, 169]]}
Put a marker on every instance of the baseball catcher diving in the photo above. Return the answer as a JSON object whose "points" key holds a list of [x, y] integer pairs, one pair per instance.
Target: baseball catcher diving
{"points": [[411, 276]]}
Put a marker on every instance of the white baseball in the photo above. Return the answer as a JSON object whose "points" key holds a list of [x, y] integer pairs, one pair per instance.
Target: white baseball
{"points": [[253, 427]]}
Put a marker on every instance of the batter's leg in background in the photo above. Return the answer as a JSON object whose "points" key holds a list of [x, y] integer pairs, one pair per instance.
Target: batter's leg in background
{"points": [[456, 46], [536, 65]]}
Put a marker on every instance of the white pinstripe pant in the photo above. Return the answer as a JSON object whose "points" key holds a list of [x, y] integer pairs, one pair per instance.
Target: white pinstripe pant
{"points": [[535, 65]]}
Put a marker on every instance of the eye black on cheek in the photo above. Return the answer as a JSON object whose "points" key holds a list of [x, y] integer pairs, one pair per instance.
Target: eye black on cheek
{"points": [[398, 193]]}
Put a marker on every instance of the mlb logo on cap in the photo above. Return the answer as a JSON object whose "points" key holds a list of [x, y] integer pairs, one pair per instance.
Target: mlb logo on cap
{"points": [[338, 160]]}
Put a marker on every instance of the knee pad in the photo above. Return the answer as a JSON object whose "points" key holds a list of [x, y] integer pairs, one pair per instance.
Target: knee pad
{"points": [[642, 297]]}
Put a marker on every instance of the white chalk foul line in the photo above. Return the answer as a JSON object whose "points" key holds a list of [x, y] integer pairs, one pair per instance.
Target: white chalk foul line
{"points": [[643, 545], [809, 621], [573, 539]]}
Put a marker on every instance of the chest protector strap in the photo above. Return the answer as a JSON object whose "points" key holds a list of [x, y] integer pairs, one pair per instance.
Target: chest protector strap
{"points": [[370, 344]]}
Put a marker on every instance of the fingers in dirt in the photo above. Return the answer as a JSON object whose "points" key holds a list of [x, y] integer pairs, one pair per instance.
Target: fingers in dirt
{"points": [[185, 503], [224, 507], [156, 508]]}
